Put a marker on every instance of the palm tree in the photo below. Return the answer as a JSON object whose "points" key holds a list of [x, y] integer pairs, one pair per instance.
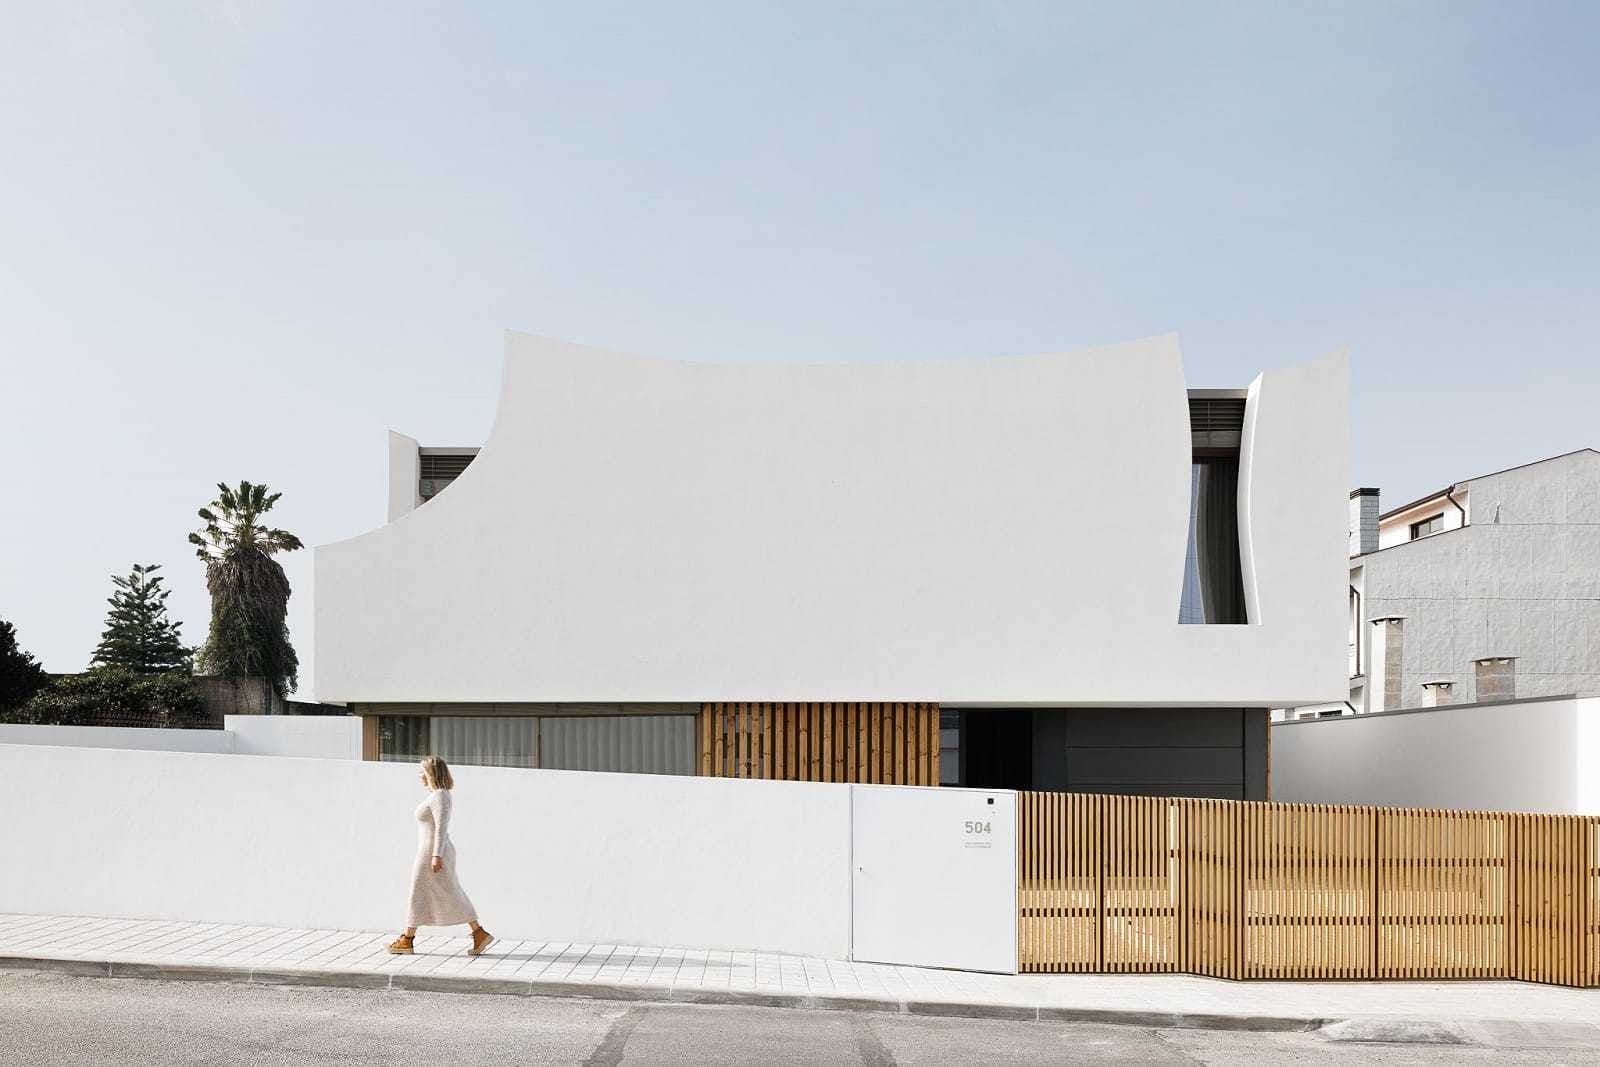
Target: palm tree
{"points": [[249, 591]]}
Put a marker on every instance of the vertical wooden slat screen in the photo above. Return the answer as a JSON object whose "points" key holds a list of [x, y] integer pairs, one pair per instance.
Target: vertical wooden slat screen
{"points": [[1591, 899], [1207, 860], [1443, 909], [895, 744], [1307, 890], [1248, 889], [1060, 882], [1140, 898], [1552, 923]]}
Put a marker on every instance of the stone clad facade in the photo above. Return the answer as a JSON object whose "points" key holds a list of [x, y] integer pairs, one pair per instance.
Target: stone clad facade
{"points": [[1519, 582]]}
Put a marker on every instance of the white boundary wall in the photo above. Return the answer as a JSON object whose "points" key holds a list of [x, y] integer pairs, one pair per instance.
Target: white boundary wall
{"points": [[590, 858], [125, 737], [316, 736], [1532, 755]]}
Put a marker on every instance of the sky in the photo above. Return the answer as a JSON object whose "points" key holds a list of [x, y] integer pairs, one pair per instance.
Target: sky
{"points": [[240, 241]]}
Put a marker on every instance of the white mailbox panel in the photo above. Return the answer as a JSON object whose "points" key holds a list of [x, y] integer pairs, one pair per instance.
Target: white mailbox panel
{"points": [[934, 877]]}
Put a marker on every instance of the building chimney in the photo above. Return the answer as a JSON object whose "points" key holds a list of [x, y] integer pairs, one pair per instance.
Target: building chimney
{"points": [[1388, 659], [1496, 678], [1438, 693], [1363, 521]]}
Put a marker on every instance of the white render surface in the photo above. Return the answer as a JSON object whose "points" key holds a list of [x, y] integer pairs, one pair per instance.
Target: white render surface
{"points": [[641, 529], [599, 859], [310, 736], [315, 736], [126, 737], [1538, 755], [271, 954], [1521, 579], [405, 468], [944, 895]]}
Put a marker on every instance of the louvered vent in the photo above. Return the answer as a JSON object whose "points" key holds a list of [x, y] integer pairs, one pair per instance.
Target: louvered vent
{"points": [[445, 467], [1216, 423], [437, 471]]}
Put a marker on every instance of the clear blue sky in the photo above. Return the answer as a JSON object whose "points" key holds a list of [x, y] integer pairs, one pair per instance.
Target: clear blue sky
{"points": [[241, 240]]}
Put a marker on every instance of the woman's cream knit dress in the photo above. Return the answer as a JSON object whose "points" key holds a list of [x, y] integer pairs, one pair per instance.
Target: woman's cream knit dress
{"points": [[436, 899]]}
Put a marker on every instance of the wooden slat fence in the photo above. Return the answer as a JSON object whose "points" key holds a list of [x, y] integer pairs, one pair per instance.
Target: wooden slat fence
{"points": [[1240, 889], [892, 744]]}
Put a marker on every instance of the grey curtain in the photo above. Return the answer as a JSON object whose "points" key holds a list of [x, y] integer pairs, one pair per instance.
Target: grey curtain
{"points": [[484, 741], [643, 744]]}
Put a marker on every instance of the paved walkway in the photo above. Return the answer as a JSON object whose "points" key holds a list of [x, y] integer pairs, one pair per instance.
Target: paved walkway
{"points": [[273, 955]]}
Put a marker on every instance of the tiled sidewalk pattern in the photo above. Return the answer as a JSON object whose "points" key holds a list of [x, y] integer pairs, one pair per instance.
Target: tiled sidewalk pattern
{"points": [[269, 949], [353, 957]]}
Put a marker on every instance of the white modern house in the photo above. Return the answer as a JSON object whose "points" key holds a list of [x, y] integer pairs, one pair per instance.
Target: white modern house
{"points": [[1486, 590], [1054, 572]]}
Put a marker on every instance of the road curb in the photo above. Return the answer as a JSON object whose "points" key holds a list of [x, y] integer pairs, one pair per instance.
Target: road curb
{"points": [[461, 984]]}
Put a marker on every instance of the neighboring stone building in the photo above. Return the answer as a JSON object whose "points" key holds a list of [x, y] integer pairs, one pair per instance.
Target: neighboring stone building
{"points": [[1486, 590]]}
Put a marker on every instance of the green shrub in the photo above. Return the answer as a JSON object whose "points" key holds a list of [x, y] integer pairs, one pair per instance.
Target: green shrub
{"points": [[116, 697]]}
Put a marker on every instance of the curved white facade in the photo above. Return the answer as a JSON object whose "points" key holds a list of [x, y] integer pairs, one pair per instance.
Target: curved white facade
{"points": [[991, 531]]}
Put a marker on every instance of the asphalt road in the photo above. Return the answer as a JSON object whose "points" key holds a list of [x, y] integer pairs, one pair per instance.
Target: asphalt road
{"points": [[59, 1019]]}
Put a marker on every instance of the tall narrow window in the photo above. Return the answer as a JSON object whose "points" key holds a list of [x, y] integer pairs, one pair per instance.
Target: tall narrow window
{"points": [[1213, 581]]}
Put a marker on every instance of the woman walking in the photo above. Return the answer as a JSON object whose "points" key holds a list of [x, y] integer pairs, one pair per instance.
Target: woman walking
{"points": [[437, 899]]}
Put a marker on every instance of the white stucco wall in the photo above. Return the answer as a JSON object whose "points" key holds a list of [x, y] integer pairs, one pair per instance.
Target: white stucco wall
{"points": [[594, 858], [117, 737], [405, 464], [321, 737], [1003, 531], [312, 736], [1540, 756], [1522, 579]]}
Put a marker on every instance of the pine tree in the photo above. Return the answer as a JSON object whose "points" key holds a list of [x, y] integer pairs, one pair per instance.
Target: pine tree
{"points": [[138, 635], [20, 674]]}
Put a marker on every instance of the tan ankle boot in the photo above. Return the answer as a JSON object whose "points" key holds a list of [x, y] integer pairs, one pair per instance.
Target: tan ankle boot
{"points": [[402, 945], [481, 939]]}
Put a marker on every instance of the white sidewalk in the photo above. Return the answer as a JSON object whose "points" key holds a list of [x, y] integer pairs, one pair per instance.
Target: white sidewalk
{"points": [[219, 952]]}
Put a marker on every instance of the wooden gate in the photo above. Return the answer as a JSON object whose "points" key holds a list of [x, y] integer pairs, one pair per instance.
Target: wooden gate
{"points": [[1245, 889]]}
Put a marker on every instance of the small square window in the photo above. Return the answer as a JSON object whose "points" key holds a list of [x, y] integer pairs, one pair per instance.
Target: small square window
{"points": [[1431, 525]]}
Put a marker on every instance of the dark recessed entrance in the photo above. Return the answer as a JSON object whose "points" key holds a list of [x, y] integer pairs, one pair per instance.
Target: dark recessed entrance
{"points": [[1178, 752]]}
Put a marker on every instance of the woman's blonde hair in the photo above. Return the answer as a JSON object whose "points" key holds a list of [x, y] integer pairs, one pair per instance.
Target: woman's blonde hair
{"points": [[438, 772]]}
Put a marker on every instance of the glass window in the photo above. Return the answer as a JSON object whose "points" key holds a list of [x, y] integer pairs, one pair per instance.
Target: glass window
{"points": [[1431, 525], [641, 744], [1213, 580], [498, 741], [403, 738], [949, 748], [484, 741]]}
